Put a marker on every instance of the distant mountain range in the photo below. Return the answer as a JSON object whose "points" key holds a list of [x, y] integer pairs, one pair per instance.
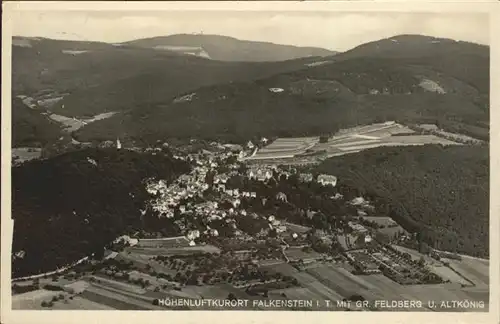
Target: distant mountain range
{"points": [[164, 87], [225, 48]]}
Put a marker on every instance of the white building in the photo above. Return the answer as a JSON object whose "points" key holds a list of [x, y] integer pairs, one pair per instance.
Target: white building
{"points": [[193, 235], [326, 179]]}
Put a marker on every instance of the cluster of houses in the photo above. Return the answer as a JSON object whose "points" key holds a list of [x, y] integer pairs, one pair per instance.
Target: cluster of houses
{"points": [[178, 197]]}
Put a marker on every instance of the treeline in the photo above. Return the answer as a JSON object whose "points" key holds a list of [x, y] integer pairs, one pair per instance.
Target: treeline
{"points": [[74, 204], [442, 193], [255, 112]]}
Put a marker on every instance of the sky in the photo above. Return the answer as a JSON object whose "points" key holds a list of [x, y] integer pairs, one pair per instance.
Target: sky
{"points": [[334, 31]]}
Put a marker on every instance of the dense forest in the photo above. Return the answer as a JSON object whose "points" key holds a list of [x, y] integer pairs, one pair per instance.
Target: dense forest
{"points": [[30, 128], [312, 101], [78, 202], [252, 111], [440, 192]]}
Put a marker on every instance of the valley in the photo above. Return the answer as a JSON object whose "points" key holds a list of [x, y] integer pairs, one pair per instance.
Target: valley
{"points": [[196, 171]]}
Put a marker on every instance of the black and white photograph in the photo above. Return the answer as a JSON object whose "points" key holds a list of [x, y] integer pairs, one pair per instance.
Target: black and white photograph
{"points": [[219, 160]]}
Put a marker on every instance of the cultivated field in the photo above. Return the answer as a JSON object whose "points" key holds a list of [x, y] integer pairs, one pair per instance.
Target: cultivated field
{"points": [[344, 142], [285, 148], [332, 282], [119, 285], [174, 250], [448, 274], [73, 124], [168, 242], [475, 271], [387, 225]]}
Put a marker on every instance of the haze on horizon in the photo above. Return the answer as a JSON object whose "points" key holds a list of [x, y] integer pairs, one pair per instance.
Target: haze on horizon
{"points": [[330, 30]]}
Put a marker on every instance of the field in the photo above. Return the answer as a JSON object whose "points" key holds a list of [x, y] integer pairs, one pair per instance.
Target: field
{"points": [[415, 255], [173, 250], [296, 253], [448, 274], [295, 293], [390, 227], [332, 282], [297, 228], [69, 124], [215, 291], [115, 300], [168, 242], [475, 271], [23, 154], [119, 285], [72, 124], [459, 137], [32, 299], [285, 147], [142, 260], [80, 303], [345, 141]]}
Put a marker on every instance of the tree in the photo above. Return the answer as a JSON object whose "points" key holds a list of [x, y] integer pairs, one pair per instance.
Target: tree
{"points": [[421, 261]]}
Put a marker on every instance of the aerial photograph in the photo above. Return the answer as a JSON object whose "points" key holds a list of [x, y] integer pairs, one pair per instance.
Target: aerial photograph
{"points": [[291, 161]]}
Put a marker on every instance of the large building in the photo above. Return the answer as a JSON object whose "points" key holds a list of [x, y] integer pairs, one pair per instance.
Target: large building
{"points": [[327, 180]]}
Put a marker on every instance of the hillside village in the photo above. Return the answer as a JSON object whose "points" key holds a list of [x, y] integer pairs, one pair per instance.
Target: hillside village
{"points": [[253, 228], [203, 167]]}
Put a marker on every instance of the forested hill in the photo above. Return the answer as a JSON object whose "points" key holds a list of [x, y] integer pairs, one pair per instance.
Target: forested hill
{"points": [[440, 192], [445, 83], [78, 202], [224, 48], [29, 127]]}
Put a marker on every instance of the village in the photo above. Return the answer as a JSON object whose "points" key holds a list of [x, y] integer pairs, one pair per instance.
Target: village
{"points": [[251, 232]]}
